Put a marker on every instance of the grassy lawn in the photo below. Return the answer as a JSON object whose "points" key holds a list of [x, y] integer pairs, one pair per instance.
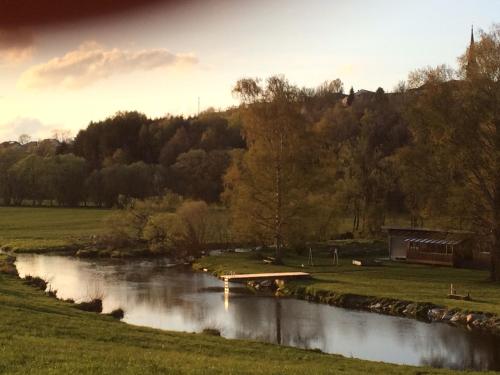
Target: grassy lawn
{"points": [[393, 280], [28, 228], [41, 335]]}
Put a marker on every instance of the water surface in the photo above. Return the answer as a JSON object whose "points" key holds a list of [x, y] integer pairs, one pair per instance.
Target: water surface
{"points": [[155, 295]]}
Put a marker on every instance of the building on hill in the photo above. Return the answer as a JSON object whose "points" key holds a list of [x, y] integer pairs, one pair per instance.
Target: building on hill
{"points": [[472, 67], [452, 248]]}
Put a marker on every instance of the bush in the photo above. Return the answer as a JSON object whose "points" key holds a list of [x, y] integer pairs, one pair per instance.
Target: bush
{"points": [[211, 332], [36, 282], [93, 306], [7, 265], [117, 314]]}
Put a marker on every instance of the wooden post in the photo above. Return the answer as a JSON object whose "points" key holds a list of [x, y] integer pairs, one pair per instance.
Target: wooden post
{"points": [[310, 260], [226, 294], [335, 257]]}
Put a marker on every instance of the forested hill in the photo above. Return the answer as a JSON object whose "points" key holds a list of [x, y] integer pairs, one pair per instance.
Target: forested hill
{"points": [[131, 155], [127, 154], [360, 139]]}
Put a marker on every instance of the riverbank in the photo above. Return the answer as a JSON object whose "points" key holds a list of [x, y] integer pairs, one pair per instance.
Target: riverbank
{"points": [[45, 335], [395, 288]]}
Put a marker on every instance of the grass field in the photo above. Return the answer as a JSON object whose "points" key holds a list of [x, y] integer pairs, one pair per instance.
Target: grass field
{"points": [[41, 335], [393, 280], [28, 228]]}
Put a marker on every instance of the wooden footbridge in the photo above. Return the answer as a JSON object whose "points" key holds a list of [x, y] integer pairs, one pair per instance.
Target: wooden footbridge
{"points": [[266, 276], [262, 276]]}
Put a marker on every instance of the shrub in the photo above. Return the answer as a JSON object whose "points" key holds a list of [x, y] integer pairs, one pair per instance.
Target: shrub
{"points": [[211, 332], [93, 306], [36, 282], [117, 314]]}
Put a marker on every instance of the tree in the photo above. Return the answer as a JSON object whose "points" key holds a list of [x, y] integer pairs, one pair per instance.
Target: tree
{"points": [[430, 75], [331, 87], [198, 174], [24, 139], [179, 143], [268, 185], [350, 97], [30, 179], [459, 122], [61, 135], [194, 217], [8, 157], [68, 176]]}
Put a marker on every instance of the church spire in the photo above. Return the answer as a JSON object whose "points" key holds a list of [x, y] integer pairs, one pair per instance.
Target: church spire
{"points": [[471, 56]]}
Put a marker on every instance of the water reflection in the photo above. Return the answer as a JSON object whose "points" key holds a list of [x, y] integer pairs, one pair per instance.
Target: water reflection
{"points": [[156, 296]]}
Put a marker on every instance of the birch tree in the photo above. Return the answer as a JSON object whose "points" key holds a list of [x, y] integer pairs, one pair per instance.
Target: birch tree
{"points": [[268, 185]]}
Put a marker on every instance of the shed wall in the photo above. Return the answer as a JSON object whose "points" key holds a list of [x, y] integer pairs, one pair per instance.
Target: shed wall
{"points": [[398, 247]]}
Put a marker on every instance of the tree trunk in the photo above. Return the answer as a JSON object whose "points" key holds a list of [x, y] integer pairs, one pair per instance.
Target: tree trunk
{"points": [[495, 251], [278, 214]]}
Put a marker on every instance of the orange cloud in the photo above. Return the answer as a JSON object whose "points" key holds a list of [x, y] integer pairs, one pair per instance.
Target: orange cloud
{"points": [[92, 62]]}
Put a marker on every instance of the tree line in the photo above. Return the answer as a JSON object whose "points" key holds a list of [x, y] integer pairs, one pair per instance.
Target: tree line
{"points": [[125, 156]]}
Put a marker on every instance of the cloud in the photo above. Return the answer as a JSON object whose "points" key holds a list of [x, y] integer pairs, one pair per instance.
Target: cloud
{"points": [[91, 62], [24, 125]]}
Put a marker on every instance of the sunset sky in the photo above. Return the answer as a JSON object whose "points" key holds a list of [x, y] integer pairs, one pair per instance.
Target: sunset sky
{"points": [[62, 72]]}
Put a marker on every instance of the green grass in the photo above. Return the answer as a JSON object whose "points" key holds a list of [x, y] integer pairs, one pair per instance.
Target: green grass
{"points": [[28, 228], [41, 335], [402, 281]]}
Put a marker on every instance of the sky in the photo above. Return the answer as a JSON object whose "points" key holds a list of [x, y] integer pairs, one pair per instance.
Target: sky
{"points": [[62, 66]]}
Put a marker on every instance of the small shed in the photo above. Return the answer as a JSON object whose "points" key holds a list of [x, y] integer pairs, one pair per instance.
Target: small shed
{"points": [[431, 246]]}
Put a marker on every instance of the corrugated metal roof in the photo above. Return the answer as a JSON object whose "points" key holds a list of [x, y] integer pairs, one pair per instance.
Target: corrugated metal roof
{"points": [[428, 241]]}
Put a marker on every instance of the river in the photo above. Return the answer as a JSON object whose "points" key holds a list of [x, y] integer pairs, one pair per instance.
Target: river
{"points": [[156, 295]]}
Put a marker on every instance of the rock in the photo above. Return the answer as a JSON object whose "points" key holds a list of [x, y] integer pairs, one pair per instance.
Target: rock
{"points": [[353, 301], [447, 315], [476, 323], [496, 326], [253, 285], [411, 309], [280, 284], [376, 306], [83, 253], [436, 314], [459, 318], [266, 284], [474, 317], [418, 310], [398, 307]]}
